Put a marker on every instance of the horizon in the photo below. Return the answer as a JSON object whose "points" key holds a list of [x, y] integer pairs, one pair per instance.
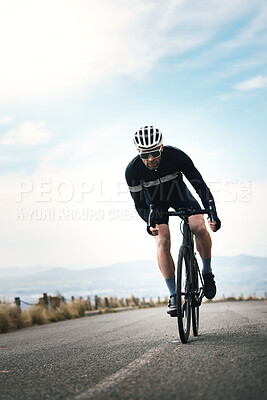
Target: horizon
{"points": [[235, 276], [67, 120], [86, 267]]}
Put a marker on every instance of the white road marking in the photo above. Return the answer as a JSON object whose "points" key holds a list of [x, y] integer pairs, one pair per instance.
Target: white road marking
{"points": [[119, 376]]}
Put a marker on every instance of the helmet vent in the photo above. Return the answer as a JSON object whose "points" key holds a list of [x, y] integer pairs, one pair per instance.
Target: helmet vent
{"points": [[147, 138]]}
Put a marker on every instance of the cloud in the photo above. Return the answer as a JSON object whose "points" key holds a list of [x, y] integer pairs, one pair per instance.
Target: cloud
{"points": [[94, 151], [253, 32], [6, 119], [87, 42], [28, 134], [79, 148], [258, 82]]}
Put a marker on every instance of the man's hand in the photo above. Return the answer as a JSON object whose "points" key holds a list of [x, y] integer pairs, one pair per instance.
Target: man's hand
{"points": [[214, 226], [154, 231]]}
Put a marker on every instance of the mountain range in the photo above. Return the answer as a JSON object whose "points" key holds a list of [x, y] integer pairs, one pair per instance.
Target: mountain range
{"points": [[237, 275]]}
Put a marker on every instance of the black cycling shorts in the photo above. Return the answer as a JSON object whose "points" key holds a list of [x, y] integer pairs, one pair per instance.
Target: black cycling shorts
{"points": [[185, 200]]}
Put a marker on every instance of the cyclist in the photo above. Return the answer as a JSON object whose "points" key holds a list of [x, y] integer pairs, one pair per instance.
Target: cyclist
{"points": [[155, 176]]}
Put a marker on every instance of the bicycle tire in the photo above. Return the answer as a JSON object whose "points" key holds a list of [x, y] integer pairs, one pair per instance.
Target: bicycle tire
{"points": [[182, 295], [195, 305]]}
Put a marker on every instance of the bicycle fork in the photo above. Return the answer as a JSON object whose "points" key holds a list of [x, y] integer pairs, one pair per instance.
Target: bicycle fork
{"points": [[196, 291], [199, 293]]}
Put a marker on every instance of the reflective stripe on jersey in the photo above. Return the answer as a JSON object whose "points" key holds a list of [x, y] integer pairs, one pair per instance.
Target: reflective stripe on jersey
{"points": [[163, 179], [169, 177], [134, 189]]}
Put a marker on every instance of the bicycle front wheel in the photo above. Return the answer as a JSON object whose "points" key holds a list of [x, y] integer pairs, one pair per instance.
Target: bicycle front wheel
{"points": [[182, 295]]}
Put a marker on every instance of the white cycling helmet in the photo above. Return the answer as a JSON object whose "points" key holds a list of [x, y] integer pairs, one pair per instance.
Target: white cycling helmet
{"points": [[147, 138]]}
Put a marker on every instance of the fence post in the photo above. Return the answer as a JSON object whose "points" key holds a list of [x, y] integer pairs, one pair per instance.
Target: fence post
{"points": [[127, 302], [115, 302], [96, 302], [17, 301], [111, 302], [106, 302], [89, 305], [45, 299]]}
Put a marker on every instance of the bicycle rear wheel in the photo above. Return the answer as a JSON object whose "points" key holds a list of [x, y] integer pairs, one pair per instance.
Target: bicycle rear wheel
{"points": [[182, 295], [195, 303]]}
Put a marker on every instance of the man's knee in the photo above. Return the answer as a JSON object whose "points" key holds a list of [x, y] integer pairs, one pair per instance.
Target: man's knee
{"points": [[200, 230], [163, 238], [198, 227]]}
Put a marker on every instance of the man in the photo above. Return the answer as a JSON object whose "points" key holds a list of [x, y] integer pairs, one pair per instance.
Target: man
{"points": [[155, 176]]}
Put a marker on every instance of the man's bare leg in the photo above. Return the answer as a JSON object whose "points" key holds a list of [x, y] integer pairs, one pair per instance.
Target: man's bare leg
{"points": [[203, 244], [166, 264], [203, 240], [164, 257]]}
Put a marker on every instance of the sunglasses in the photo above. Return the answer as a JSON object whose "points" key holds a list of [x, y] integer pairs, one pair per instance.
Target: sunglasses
{"points": [[153, 154]]}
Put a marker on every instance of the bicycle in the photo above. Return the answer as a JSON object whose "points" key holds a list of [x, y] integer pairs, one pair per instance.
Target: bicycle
{"points": [[190, 285]]}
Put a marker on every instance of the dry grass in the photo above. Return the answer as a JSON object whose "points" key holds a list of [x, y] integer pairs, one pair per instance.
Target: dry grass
{"points": [[233, 298], [11, 318]]}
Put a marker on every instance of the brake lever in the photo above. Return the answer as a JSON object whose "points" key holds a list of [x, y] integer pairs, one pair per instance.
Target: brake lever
{"points": [[151, 217], [212, 211]]}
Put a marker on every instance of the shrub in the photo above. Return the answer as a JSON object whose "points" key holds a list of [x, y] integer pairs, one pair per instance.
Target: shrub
{"points": [[6, 323], [66, 311], [38, 315], [19, 319], [230, 298], [79, 307]]}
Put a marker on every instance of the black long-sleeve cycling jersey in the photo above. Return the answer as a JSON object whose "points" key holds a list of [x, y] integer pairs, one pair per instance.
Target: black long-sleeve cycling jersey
{"points": [[164, 186]]}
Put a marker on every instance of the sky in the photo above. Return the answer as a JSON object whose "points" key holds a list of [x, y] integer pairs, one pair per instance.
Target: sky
{"points": [[78, 78]]}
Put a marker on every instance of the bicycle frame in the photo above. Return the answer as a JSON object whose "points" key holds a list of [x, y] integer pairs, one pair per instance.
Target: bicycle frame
{"points": [[188, 241]]}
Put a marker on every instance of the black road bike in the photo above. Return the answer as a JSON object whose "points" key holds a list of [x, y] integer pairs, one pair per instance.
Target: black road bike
{"points": [[190, 285]]}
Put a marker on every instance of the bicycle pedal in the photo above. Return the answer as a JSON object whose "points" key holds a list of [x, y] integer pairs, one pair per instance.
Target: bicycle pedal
{"points": [[172, 313]]}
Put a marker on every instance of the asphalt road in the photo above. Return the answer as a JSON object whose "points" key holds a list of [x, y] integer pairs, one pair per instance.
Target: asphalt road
{"points": [[137, 355]]}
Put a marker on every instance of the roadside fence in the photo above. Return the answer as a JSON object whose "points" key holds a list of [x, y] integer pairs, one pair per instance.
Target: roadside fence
{"points": [[97, 304]]}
